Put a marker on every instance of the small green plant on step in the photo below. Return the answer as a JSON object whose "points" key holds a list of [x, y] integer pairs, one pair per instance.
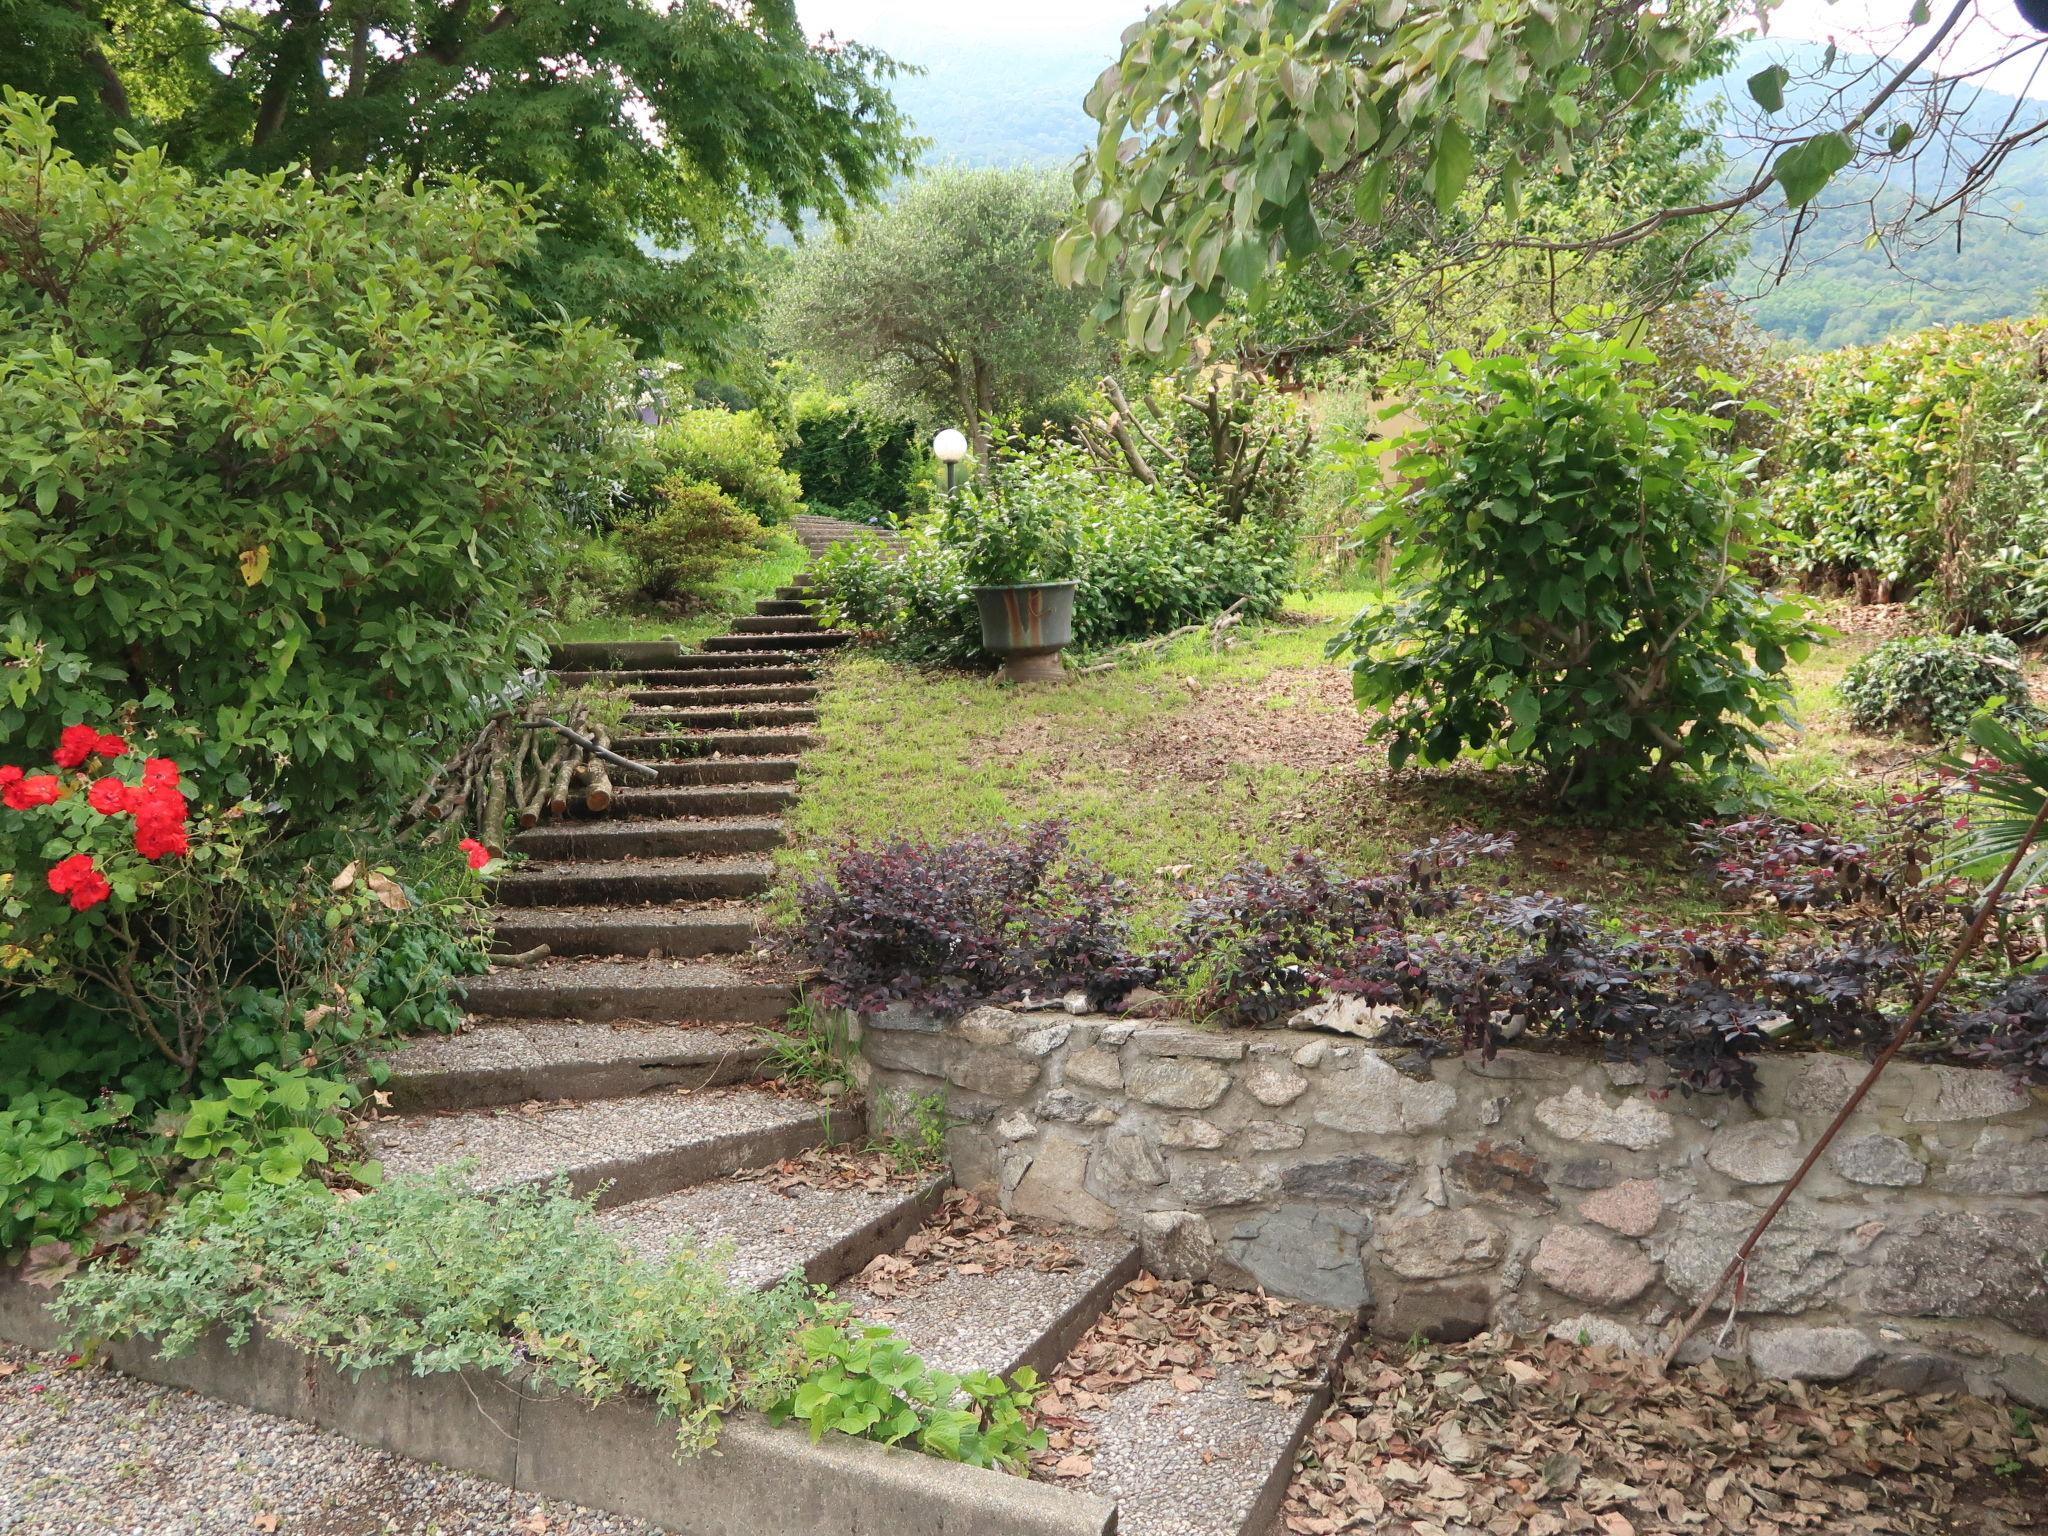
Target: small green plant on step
{"points": [[916, 1141], [809, 1050], [865, 1381]]}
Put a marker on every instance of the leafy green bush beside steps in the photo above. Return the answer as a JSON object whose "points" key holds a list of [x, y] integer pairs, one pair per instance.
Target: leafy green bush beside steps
{"points": [[1929, 687]]}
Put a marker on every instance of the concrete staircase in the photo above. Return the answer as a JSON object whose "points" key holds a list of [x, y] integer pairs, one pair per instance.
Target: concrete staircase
{"points": [[637, 1059]]}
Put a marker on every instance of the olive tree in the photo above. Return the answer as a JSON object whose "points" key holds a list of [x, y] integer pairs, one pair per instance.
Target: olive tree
{"points": [[943, 302]]}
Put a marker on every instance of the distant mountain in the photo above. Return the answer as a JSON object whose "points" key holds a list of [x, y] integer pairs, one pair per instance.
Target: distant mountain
{"points": [[1014, 100]]}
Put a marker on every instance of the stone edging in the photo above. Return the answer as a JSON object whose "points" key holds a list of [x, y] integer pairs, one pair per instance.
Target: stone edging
{"points": [[617, 1455]]}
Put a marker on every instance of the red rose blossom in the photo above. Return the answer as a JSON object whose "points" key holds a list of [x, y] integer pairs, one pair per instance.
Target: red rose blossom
{"points": [[78, 878], [21, 793], [479, 855], [75, 743], [159, 773], [108, 796]]}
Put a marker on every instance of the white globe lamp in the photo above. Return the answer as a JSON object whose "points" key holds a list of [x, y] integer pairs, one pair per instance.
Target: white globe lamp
{"points": [[949, 448]]}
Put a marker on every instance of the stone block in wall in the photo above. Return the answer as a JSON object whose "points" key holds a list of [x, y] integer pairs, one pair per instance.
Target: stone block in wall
{"points": [[1580, 1116], [1592, 1267], [1128, 1161], [1968, 1264], [1944, 1095], [1811, 1354], [1270, 1136], [1191, 1131], [1188, 1042], [2001, 1163], [1445, 1311], [1315, 1252], [1065, 1105], [1631, 1207], [1177, 1245], [1506, 1174], [1054, 1188], [928, 1055], [1095, 1067], [1274, 1086], [1795, 1266], [998, 1074], [1757, 1152], [1175, 1082], [1885, 1161], [1435, 1245], [1373, 1098], [1355, 1178], [1207, 1184]]}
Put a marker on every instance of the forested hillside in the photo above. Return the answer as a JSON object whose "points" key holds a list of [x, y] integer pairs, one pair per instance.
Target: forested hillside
{"points": [[1010, 100]]}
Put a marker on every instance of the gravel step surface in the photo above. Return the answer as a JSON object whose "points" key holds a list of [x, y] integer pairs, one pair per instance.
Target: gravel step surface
{"points": [[642, 838], [800, 623], [731, 644], [657, 802], [722, 770], [611, 882], [736, 717], [765, 743], [597, 990], [727, 697], [711, 929], [90, 1453], [512, 1061], [822, 1232], [645, 1146], [998, 1321], [720, 671]]}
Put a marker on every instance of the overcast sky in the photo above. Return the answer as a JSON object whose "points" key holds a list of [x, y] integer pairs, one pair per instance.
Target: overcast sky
{"points": [[1867, 26]]}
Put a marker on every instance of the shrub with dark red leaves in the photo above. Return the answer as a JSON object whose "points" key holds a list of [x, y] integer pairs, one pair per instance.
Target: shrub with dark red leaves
{"points": [[1800, 866], [1265, 942], [2009, 1029], [950, 924]]}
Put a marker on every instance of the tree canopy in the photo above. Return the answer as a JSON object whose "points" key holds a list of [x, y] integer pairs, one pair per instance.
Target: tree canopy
{"points": [[1223, 125], [658, 140], [943, 302]]}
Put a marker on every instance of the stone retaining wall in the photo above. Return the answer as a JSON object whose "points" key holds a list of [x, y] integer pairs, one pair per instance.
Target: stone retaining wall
{"points": [[1534, 1192]]}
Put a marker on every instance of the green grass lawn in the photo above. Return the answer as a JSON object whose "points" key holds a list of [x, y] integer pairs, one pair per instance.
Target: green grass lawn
{"points": [[736, 593]]}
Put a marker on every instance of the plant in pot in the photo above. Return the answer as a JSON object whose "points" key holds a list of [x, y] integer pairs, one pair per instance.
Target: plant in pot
{"points": [[1017, 544]]}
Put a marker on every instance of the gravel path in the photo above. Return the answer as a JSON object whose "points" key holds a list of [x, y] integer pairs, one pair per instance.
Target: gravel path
{"points": [[89, 1453]]}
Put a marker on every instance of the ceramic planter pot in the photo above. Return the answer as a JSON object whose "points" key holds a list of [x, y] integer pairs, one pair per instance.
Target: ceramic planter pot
{"points": [[1027, 627]]}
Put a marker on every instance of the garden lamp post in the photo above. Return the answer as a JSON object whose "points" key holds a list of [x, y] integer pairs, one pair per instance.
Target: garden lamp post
{"points": [[949, 448]]}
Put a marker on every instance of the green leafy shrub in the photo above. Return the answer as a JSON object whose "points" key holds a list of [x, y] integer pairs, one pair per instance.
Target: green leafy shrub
{"points": [[860, 462], [693, 536], [596, 577], [1216, 433], [63, 1162], [425, 1274], [1147, 559], [735, 451], [1930, 686], [1876, 457], [1569, 559], [271, 462], [1991, 519]]}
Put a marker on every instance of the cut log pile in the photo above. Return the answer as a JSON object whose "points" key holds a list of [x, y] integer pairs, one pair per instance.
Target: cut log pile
{"points": [[533, 763]]}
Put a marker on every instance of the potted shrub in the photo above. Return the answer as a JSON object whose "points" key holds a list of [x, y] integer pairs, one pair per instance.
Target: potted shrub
{"points": [[1018, 551]]}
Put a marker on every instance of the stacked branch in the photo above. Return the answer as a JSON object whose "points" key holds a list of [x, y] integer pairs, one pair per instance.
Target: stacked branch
{"points": [[529, 764]]}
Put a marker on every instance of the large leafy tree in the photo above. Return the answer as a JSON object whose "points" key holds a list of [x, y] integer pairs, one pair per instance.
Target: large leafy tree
{"points": [[943, 302], [1225, 124], [660, 139]]}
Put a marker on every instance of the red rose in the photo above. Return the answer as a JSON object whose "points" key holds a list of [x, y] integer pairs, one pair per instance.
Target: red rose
{"points": [[159, 773], [108, 796], [110, 747], [75, 743], [79, 878], [479, 855], [20, 793], [160, 830]]}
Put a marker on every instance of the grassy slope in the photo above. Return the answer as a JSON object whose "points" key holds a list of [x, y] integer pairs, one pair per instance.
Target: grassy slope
{"points": [[736, 593], [1188, 761]]}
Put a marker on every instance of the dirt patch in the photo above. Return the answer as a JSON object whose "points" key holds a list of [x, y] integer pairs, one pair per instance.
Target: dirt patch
{"points": [[1293, 718]]}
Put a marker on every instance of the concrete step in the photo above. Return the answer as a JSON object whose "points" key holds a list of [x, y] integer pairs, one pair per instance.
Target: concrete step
{"points": [[779, 606], [767, 743], [739, 643], [1018, 1314], [512, 1061], [741, 670], [598, 990], [604, 655], [677, 932], [1211, 1462], [800, 591], [606, 882], [721, 770], [632, 1149], [711, 800], [731, 717], [823, 1230], [800, 623], [613, 838], [725, 698]]}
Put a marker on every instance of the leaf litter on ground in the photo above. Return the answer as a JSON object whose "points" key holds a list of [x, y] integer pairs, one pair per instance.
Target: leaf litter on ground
{"points": [[1510, 1438]]}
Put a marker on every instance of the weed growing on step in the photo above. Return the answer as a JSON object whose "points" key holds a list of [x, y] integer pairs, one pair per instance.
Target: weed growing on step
{"points": [[917, 1140], [427, 1276]]}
